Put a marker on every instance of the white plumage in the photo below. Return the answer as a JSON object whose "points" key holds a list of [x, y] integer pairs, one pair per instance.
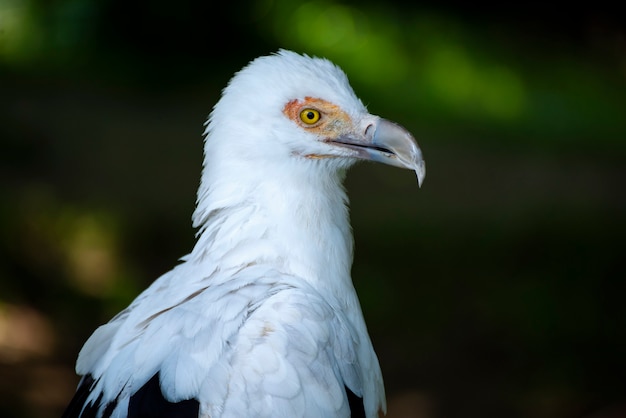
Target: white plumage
{"points": [[261, 319]]}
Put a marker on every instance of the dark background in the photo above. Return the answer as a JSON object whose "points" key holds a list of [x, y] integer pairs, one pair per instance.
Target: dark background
{"points": [[496, 290]]}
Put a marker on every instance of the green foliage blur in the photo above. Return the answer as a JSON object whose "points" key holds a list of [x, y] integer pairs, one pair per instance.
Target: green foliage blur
{"points": [[495, 290]]}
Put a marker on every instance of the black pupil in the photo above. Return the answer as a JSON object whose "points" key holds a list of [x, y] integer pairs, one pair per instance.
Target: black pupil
{"points": [[310, 115]]}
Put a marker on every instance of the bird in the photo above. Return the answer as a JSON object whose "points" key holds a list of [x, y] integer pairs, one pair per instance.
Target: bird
{"points": [[261, 318]]}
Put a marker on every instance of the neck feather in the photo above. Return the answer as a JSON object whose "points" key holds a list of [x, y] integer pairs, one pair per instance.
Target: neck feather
{"points": [[296, 222]]}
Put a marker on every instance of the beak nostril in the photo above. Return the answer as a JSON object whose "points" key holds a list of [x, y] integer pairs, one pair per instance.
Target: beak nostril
{"points": [[368, 130]]}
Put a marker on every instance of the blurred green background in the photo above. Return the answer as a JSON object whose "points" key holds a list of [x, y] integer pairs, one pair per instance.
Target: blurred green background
{"points": [[497, 290]]}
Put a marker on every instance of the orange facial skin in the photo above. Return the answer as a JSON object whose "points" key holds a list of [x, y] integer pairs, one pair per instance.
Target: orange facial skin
{"points": [[332, 123]]}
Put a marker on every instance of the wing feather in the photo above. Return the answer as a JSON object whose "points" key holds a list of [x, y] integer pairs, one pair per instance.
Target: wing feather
{"points": [[259, 344]]}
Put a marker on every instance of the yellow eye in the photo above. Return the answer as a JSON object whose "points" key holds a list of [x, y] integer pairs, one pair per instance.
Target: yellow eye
{"points": [[309, 116]]}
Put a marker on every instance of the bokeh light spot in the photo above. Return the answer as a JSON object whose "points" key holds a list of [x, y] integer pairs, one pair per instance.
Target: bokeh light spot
{"points": [[502, 93], [19, 35], [451, 75], [90, 255], [344, 34]]}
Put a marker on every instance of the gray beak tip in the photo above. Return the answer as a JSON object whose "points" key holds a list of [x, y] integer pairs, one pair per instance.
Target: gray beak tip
{"points": [[420, 171]]}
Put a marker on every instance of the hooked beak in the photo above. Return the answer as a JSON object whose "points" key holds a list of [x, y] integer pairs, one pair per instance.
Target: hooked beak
{"points": [[385, 142]]}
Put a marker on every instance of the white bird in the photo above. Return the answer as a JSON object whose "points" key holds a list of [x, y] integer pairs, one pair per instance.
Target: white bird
{"points": [[261, 319]]}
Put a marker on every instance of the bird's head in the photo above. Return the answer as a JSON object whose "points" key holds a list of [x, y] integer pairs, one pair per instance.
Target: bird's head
{"points": [[293, 108]]}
